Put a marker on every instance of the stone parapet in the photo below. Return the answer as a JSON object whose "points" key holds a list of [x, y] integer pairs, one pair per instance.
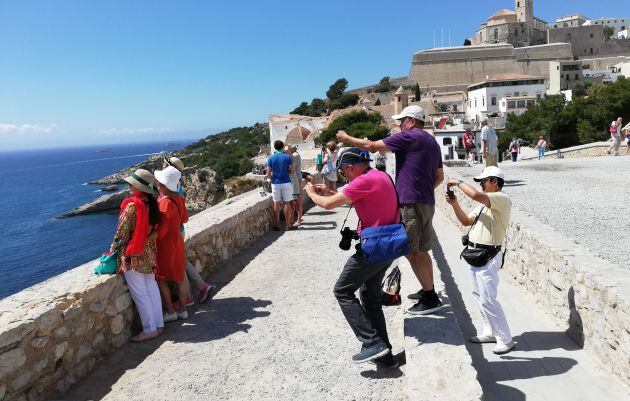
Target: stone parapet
{"points": [[587, 295], [589, 150], [55, 332]]}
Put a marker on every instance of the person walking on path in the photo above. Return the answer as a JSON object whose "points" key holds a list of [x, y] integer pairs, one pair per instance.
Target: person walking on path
{"points": [[171, 253], [418, 172], [626, 131], [514, 148], [468, 139], [615, 134], [374, 197], [329, 171], [489, 224], [541, 146], [489, 138], [199, 288], [296, 183], [279, 168], [137, 255]]}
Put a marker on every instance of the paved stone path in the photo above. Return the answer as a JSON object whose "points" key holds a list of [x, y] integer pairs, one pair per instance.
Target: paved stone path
{"points": [[585, 199], [546, 366], [273, 332]]}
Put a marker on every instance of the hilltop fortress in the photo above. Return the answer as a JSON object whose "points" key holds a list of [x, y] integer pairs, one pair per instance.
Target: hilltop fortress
{"points": [[518, 42]]}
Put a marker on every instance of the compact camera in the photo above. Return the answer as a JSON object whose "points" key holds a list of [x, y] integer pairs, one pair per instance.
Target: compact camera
{"points": [[347, 235]]}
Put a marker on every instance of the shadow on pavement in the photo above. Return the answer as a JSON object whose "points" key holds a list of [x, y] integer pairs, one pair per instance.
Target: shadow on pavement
{"points": [[489, 373], [320, 225], [383, 372], [215, 319]]}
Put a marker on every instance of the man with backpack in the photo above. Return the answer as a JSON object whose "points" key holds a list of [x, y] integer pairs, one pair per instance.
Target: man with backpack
{"points": [[372, 194]]}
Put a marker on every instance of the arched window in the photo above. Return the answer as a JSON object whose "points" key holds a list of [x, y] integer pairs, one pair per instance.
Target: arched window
{"points": [[496, 33]]}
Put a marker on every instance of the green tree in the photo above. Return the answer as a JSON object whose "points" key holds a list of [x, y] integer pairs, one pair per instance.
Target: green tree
{"points": [[359, 124], [337, 89], [608, 32], [417, 92], [384, 85], [303, 109]]}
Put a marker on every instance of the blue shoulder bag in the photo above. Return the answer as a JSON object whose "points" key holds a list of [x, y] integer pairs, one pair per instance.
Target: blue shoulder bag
{"points": [[380, 244]]}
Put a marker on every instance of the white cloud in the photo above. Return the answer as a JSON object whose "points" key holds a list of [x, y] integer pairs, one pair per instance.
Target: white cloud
{"points": [[26, 128], [134, 131]]}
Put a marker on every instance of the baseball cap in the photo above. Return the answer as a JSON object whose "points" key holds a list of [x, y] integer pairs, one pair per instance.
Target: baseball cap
{"points": [[490, 171], [413, 111], [353, 156]]}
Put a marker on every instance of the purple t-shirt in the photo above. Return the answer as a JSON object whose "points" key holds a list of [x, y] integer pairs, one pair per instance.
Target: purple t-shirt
{"points": [[418, 158]]}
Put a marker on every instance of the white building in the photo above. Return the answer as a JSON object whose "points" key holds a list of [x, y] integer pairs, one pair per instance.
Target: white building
{"points": [[625, 34], [295, 129], [502, 94], [618, 24], [568, 21]]}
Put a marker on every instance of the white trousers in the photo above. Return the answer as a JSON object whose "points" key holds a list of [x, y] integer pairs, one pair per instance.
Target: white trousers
{"points": [[485, 281], [145, 293]]}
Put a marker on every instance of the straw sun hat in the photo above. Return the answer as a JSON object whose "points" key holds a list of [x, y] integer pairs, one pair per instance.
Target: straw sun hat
{"points": [[141, 179], [175, 162]]}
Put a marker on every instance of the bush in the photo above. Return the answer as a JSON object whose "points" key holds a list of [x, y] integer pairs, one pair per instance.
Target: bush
{"points": [[359, 124]]}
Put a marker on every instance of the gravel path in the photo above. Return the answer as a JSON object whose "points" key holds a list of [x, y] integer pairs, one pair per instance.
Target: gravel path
{"points": [[587, 199], [273, 332]]}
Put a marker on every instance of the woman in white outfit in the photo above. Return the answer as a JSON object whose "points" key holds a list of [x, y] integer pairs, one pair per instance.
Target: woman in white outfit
{"points": [[137, 256]]}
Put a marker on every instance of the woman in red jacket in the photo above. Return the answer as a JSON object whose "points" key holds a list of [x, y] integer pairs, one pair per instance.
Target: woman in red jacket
{"points": [[171, 253]]}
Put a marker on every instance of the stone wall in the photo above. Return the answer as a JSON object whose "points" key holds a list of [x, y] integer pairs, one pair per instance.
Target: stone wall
{"points": [[55, 332], [588, 150], [588, 296]]}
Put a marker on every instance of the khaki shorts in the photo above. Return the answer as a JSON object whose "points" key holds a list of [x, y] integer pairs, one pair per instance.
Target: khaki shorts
{"points": [[295, 185], [418, 221]]}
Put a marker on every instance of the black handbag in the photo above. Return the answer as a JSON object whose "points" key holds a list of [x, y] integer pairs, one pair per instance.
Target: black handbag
{"points": [[477, 257]]}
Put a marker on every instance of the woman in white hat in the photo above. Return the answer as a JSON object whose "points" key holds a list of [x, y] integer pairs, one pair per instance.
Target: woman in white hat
{"points": [[202, 290], [171, 253], [137, 255]]}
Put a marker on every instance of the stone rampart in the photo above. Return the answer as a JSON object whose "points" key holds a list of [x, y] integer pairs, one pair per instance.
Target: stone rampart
{"points": [[588, 150], [588, 296], [55, 332]]}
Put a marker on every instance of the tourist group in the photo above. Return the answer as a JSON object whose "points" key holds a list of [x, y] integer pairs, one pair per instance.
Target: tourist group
{"points": [[395, 219], [149, 242]]}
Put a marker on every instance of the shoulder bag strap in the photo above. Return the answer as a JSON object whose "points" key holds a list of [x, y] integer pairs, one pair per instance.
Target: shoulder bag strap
{"points": [[476, 219]]}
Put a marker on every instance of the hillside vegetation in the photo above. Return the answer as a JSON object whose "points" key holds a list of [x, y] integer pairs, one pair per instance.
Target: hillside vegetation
{"points": [[227, 153]]}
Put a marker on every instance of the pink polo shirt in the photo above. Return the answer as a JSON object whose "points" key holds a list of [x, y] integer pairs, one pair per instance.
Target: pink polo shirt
{"points": [[374, 198]]}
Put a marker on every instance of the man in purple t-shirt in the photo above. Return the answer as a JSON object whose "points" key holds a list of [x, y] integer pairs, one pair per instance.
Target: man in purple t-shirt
{"points": [[374, 199], [418, 172]]}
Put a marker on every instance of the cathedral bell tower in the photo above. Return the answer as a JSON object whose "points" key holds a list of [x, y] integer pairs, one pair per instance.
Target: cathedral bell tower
{"points": [[524, 10]]}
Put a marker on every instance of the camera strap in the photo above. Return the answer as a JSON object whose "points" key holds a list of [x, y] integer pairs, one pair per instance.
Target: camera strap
{"points": [[347, 215], [476, 219]]}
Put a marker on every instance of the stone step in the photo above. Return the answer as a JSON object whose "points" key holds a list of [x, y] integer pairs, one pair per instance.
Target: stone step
{"points": [[438, 365]]}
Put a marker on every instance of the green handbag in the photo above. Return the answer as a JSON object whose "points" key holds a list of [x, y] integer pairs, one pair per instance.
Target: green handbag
{"points": [[108, 263]]}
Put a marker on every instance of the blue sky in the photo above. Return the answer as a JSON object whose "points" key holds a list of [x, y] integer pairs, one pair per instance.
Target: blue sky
{"points": [[99, 72]]}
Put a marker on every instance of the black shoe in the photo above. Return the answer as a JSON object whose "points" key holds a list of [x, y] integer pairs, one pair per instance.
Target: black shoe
{"points": [[425, 306], [416, 295], [388, 361], [370, 353]]}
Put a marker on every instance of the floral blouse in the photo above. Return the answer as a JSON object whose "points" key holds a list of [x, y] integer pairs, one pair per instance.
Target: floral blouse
{"points": [[145, 262]]}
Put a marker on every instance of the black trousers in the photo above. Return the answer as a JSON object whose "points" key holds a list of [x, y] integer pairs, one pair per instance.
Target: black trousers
{"points": [[366, 317]]}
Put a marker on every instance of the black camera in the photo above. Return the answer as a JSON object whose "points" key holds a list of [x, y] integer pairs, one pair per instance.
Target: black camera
{"points": [[347, 235], [450, 193], [465, 240]]}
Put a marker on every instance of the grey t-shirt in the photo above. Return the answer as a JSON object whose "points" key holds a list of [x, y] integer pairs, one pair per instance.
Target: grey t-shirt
{"points": [[489, 134], [298, 165]]}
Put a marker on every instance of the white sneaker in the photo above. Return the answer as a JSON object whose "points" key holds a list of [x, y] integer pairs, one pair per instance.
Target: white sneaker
{"points": [[170, 317], [483, 339], [183, 315], [501, 349]]}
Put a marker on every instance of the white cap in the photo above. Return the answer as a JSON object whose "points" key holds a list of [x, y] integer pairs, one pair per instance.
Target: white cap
{"points": [[413, 111], [169, 177], [490, 171]]}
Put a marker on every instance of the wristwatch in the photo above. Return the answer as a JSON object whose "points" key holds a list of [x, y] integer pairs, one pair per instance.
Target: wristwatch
{"points": [[459, 182]]}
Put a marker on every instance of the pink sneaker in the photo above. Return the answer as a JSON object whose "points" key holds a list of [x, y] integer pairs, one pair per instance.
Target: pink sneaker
{"points": [[190, 301], [205, 293]]}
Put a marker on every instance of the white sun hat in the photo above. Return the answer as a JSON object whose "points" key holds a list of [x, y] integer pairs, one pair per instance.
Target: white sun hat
{"points": [[490, 171], [412, 111], [169, 177]]}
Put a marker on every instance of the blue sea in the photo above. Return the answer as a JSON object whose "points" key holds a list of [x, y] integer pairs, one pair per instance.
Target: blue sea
{"points": [[39, 185]]}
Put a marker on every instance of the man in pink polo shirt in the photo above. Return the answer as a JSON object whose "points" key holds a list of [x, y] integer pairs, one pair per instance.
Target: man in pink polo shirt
{"points": [[374, 197]]}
